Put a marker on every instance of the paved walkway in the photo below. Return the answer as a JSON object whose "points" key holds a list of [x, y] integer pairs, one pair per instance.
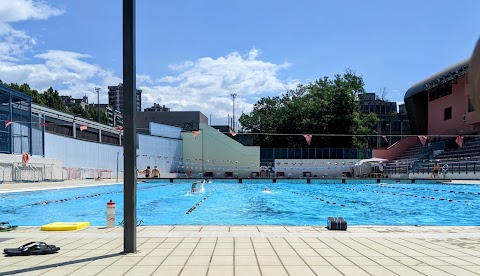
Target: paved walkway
{"points": [[251, 250], [23, 186]]}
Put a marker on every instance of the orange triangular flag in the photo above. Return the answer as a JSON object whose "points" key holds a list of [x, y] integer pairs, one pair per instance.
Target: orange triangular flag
{"points": [[308, 137], [233, 133], [423, 139], [196, 133], [459, 141]]}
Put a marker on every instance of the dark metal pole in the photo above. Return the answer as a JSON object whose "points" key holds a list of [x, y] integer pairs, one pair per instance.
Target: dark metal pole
{"points": [[97, 89], [129, 146], [117, 165]]}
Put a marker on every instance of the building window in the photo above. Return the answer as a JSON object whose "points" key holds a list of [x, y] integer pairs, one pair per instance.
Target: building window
{"points": [[447, 113], [471, 108]]}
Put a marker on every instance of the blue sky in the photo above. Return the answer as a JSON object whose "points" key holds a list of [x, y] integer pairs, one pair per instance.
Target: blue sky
{"points": [[191, 55]]}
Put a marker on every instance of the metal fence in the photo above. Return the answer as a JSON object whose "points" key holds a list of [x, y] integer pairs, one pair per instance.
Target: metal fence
{"points": [[452, 166], [268, 155], [85, 173]]}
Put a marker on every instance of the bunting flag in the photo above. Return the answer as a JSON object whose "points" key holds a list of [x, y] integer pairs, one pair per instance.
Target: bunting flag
{"points": [[82, 128], [423, 139], [196, 133], [459, 141], [118, 128], [385, 138], [43, 124], [233, 133], [308, 138], [7, 123]]}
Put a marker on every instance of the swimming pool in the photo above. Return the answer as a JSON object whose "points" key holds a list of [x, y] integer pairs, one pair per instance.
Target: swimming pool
{"points": [[223, 203]]}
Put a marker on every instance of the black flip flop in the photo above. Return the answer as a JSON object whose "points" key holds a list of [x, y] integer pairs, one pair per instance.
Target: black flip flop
{"points": [[31, 248]]}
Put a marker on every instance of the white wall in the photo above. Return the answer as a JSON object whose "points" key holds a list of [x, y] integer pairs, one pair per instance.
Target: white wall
{"points": [[82, 154], [165, 131], [218, 153], [319, 167], [165, 153]]}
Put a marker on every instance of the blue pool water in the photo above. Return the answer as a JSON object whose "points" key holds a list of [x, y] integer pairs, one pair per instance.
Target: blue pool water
{"points": [[246, 204]]}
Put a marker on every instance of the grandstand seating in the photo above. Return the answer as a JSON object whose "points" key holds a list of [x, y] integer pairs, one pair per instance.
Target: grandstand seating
{"points": [[413, 153], [470, 149], [456, 158]]}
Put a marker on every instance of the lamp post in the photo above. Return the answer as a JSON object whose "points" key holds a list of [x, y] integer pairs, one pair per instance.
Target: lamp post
{"points": [[97, 89], [233, 117], [390, 134]]}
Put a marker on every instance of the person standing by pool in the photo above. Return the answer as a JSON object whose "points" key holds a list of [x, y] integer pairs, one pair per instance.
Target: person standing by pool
{"points": [[155, 172], [436, 169]]}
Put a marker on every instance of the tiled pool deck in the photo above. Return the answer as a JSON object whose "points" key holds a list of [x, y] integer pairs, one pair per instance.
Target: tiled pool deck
{"points": [[246, 250], [251, 250]]}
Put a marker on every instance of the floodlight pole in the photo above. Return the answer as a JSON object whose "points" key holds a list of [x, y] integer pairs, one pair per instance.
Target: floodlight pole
{"points": [[233, 117], [129, 146], [97, 89]]}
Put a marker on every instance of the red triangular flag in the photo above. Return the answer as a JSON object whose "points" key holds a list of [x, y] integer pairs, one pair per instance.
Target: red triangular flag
{"points": [[308, 137], [459, 141], [118, 128], [43, 124], [7, 123], [233, 133], [82, 128], [385, 138], [423, 139], [196, 133]]}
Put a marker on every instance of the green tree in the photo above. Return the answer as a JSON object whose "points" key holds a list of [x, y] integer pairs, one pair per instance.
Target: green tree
{"points": [[53, 100], [325, 106]]}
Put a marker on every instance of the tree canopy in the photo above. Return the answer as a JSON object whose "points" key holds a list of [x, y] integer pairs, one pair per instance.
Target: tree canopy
{"points": [[51, 98], [325, 106]]}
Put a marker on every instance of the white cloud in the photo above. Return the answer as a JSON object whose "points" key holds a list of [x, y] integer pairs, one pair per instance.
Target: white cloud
{"points": [[143, 78], [14, 43], [206, 84], [20, 10], [65, 71]]}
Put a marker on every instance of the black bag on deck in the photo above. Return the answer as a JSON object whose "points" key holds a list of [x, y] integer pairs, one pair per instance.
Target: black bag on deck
{"points": [[336, 223]]}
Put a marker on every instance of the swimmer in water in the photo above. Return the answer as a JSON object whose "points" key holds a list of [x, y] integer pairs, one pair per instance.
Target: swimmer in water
{"points": [[267, 190], [194, 187]]}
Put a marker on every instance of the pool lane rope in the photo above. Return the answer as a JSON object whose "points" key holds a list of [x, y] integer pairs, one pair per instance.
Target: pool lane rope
{"points": [[391, 193], [200, 202], [426, 189], [313, 197], [81, 197]]}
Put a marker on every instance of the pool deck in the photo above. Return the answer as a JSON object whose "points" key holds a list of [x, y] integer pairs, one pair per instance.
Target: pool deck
{"points": [[245, 250], [250, 250]]}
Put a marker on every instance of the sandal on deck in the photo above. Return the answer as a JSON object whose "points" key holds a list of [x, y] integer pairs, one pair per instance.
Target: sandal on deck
{"points": [[31, 248], [6, 226]]}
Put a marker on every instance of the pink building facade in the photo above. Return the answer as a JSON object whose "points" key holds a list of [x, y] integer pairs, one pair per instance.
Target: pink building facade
{"points": [[438, 107]]}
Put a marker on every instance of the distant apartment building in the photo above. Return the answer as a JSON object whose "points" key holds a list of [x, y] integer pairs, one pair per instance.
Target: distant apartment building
{"points": [[115, 97], [70, 101], [370, 103], [393, 124], [157, 108]]}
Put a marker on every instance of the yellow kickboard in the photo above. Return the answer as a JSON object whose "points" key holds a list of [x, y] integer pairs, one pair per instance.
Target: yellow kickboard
{"points": [[64, 226]]}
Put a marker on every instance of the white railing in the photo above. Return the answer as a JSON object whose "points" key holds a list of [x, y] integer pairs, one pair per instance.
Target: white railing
{"points": [[26, 172]]}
